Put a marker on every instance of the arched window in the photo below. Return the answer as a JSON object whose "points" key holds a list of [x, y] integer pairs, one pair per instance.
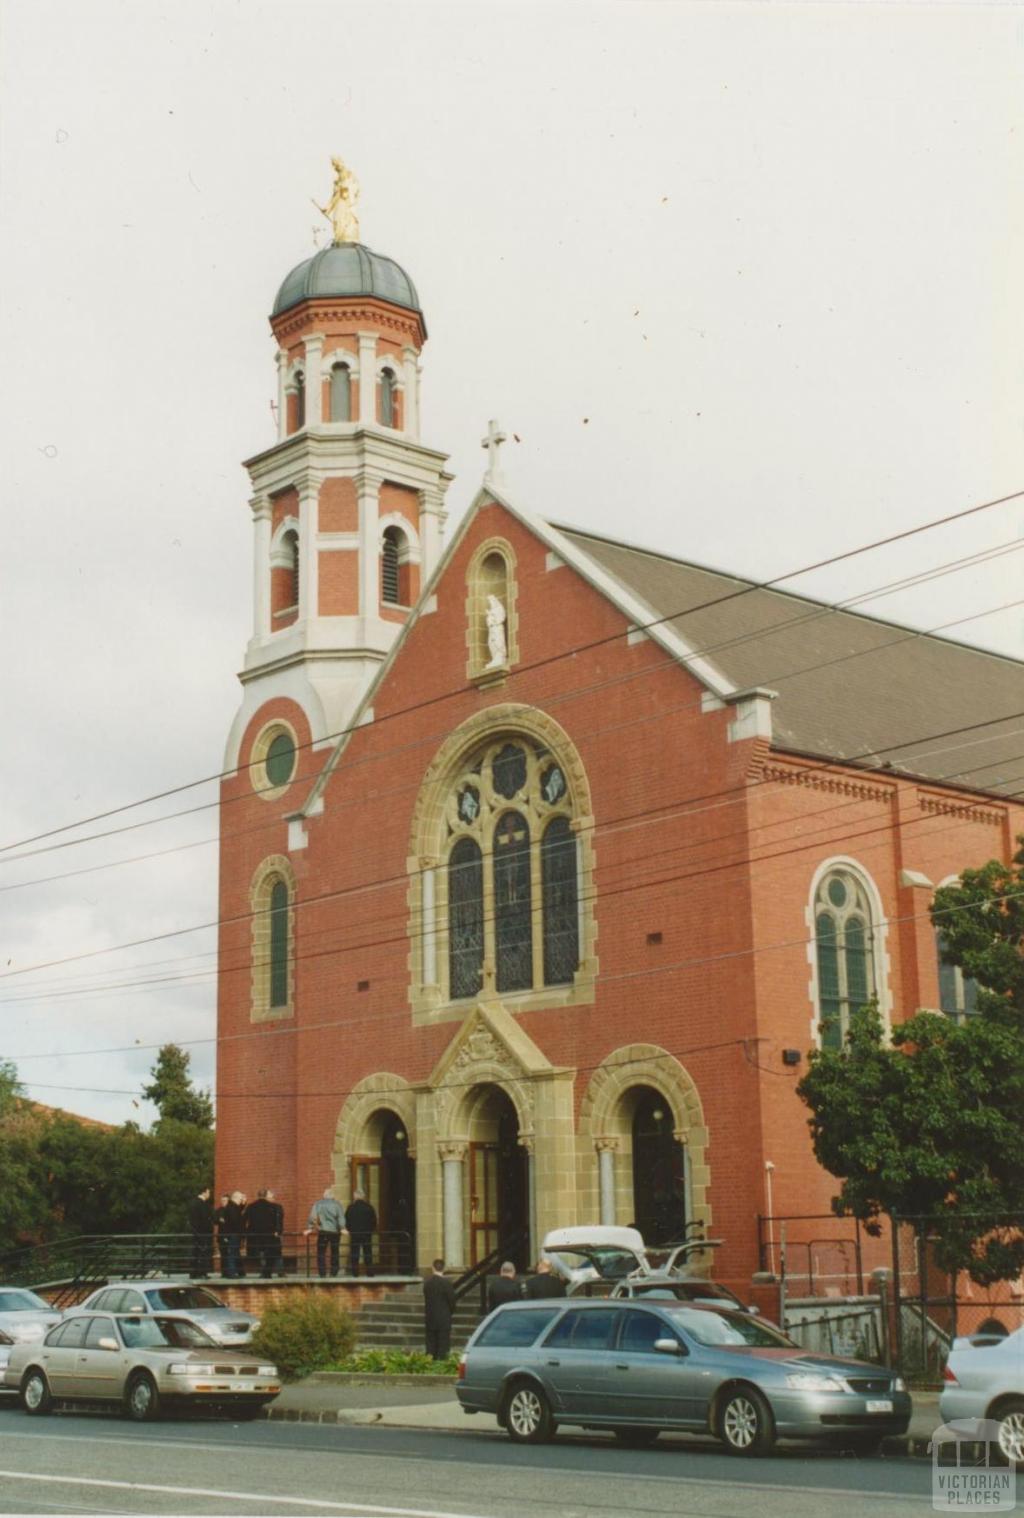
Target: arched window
{"points": [[290, 542], [561, 902], [278, 945], [300, 400], [513, 935], [958, 993], [511, 848], [845, 942], [341, 393], [387, 397], [389, 566], [465, 918]]}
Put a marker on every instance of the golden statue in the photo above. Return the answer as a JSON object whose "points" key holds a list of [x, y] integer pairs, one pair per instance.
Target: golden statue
{"points": [[340, 210]]}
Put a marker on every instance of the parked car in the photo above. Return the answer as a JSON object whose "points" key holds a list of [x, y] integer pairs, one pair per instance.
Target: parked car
{"points": [[24, 1315], [142, 1363], [6, 1343], [665, 1288], [984, 1378], [636, 1369], [226, 1325]]}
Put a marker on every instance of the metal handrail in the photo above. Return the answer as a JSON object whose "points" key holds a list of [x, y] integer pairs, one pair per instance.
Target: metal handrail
{"points": [[477, 1274]]}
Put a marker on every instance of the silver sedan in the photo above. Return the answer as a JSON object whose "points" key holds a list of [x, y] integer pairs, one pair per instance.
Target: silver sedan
{"points": [[635, 1368], [227, 1325], [983, 1379], [25, 1316], [142, 1364]]}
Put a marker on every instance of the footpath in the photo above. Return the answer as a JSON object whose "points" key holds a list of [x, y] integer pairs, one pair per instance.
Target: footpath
{"points": [[429, 1402]]}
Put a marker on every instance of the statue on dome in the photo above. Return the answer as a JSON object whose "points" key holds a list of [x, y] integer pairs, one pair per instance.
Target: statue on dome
{"points": [[496, 644], [340, 210]]}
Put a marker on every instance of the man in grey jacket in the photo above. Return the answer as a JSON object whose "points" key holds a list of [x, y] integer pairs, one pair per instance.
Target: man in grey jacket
{"points": [[326, 1219]]}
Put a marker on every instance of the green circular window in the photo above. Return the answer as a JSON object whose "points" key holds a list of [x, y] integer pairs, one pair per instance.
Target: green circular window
{"points": [[837, 892], [280, 760]]}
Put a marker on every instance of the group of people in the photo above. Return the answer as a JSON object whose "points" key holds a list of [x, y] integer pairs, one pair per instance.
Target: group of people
{"points": [[259, 1224], [329, 1220], [439, 1299]]}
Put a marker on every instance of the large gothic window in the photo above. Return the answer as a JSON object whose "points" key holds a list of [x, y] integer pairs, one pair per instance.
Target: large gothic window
{"points": [[845, 944], [279, 944], [272, 898], [512, 872]]}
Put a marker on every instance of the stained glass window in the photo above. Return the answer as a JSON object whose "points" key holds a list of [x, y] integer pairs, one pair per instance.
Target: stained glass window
{"points": [[465, 918], [513, 928], [844, 942], [279, 944], [280, 760], [561, 903], [509, 771]]}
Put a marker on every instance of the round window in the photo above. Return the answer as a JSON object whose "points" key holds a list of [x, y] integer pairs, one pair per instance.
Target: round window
{"points": [[837, 892], [280, 760]]}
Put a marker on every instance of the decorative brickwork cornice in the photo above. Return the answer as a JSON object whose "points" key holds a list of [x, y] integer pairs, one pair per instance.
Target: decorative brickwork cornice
{"points": [[295, 323], [945, 806], [827, 780]]}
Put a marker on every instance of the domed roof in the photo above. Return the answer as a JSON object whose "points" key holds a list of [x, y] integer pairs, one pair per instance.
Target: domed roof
{"points": [[347, 269]]}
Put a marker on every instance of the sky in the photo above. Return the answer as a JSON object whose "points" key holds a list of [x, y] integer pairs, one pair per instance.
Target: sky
{"points": [[744, 280]]}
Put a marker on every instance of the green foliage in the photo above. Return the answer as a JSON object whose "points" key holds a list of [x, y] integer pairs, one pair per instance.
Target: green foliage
{"points": [[931, 1125], [309, 1332], [172, 1091], [396, 1362]]}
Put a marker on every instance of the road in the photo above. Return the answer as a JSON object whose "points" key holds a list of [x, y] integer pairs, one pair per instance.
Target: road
{"points": [[97, 1463]]}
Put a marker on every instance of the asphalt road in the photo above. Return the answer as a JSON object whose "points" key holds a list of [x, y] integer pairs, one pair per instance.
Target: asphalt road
{"points": [[84, 1464]]}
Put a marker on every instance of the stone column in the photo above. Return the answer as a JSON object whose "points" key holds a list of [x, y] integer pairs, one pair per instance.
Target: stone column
{"points": [[607, 1148], [314, 381], [526, 1140], [282, 395], [367, 378], [411, 375], [369, 546], [432, 520], [429, 927], [262, 514], [309, 568], [452, 1160]]}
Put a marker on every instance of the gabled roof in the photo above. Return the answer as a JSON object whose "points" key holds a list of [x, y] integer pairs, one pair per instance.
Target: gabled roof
{"points": [[848, 686]]}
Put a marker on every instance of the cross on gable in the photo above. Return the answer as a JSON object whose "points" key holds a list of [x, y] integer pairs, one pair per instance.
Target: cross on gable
{"points": [[492, 442]]}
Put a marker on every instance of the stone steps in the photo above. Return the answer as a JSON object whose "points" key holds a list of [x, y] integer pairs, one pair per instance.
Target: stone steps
{"points": [[397, 1323]]}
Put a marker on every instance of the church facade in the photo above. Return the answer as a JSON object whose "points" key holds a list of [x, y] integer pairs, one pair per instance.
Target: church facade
{"points": [[546, 859]]}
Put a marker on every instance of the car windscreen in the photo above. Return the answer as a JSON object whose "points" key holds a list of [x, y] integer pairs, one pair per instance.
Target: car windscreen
{"points": [[161, 1333], [611, 1264], [727, 1329], [182, 1298], [22, 1301], [512, 1330]]}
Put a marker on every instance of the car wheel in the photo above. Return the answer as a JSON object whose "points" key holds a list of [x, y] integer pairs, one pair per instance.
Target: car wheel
{"points": [[141, 1398], [528, 1414], [1010, 1442], [636, 1438], [745, 1424], [36, 1397]]}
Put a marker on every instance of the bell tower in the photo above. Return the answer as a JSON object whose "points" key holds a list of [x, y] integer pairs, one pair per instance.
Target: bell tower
{"points": [[348, 503]]}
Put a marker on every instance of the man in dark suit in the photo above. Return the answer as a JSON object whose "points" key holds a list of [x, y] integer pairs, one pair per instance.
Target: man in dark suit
{"points": [[438, 1308], [361, 1222], [504, 1287], [200, 1222], [260, 1221], [278, 1265], [545, 1283]]}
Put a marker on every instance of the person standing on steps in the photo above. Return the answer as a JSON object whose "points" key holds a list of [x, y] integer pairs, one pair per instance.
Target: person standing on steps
{"points": [[438, 1311], [327, 1220], [361, 1221], [503, 1287], [220, 1218]]}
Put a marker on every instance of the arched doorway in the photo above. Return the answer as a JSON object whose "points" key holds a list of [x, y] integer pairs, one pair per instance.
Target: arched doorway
{"points": [[387, 1174], [659, 1169], [498, 1180]]}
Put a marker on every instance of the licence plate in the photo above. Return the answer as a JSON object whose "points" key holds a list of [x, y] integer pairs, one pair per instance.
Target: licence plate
{"points": [[880, 1407]]}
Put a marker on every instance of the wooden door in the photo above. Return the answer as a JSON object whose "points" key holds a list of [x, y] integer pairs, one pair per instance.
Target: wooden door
{"points": [[483, 1200]]}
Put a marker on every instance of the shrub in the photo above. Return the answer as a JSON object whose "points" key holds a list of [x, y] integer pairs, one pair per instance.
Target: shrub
{"points": [[397, 1362], [308, 1333]]}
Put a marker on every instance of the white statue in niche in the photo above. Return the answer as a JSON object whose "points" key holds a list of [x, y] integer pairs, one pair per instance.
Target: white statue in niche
{"points": [[496, 645]]}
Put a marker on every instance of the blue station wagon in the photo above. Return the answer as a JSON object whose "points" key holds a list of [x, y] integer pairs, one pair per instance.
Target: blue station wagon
{"points": [[635, 1369]]}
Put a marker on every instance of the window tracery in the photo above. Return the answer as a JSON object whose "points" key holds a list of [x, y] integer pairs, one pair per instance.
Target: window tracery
{"points": [[845, 947]]}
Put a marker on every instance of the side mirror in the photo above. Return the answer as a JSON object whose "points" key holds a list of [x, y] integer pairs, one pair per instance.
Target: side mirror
{"points": [[668, 1347], [108, 1343]]}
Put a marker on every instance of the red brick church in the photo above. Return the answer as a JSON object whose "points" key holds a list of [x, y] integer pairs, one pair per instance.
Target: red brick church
{"points": [[546, 858]]}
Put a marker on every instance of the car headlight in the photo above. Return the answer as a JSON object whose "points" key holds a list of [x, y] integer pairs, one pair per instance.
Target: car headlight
{"points": [[187, 1369], [899, 1384], [809, 1381], [268, 1370]]}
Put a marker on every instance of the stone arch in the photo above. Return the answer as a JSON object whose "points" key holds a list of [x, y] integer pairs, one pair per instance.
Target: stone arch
{"points": [[427, 846], [455, 1100], [605, 1124], [367, 1097]]}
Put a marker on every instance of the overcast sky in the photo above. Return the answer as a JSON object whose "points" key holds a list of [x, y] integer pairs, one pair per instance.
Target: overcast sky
{"points": [[744, 279]]}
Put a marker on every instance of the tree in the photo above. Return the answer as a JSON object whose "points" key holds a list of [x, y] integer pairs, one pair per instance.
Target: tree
{"points": [[22, 1199], [172, 1091], [930, 1124]]}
